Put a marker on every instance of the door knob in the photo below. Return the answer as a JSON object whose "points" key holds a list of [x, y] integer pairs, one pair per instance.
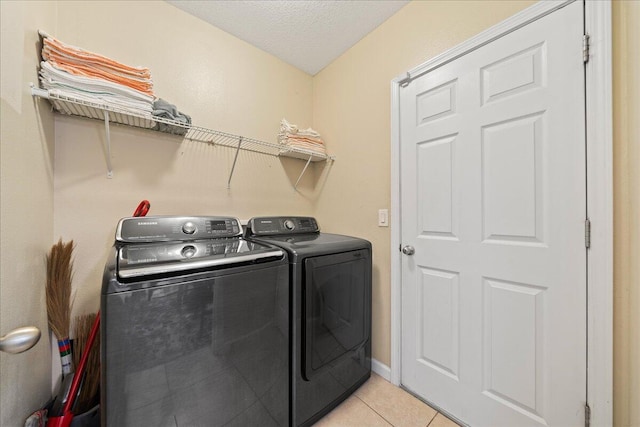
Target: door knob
{"points": [[19, 340], [408, 250]]}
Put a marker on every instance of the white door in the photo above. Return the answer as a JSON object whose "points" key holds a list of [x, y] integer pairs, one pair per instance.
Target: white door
{"points": [[493, 201]]}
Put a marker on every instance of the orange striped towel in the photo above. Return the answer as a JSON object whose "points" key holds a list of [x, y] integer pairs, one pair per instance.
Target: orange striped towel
{"points": [[81, 62], [310, 140]]}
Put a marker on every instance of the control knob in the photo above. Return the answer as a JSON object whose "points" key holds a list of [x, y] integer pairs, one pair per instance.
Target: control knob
{"points": [[188, 251], [188, 228], [289, 225]]}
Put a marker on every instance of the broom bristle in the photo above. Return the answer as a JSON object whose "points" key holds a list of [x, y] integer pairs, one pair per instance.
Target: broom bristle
{"points": [[58, 288], [83, 325]]}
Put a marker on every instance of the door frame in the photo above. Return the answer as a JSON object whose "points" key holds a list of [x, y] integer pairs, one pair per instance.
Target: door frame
{"points": [[599, 151]]}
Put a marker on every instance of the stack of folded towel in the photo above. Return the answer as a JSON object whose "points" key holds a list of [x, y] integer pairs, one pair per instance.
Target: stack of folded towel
{"points": [[306, 139], [74, 72]]}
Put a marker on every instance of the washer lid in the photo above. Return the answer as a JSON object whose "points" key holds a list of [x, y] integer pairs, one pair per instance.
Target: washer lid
{"points": [[146, 259]]}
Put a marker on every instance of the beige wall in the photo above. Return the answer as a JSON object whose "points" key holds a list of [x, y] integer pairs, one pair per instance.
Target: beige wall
{"points": [[351, 109], [26, 208], [626, 109], [222, 82]]}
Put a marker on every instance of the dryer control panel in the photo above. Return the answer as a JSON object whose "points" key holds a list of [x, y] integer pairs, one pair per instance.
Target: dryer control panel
{"points": [[275, 225], [178, 228]]}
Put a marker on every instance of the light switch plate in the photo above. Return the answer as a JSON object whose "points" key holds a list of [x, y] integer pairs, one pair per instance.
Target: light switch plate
{"points": [[383, 217]]}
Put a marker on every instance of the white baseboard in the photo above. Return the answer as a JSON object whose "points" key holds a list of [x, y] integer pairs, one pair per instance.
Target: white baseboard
{"points": [[381, 369]]}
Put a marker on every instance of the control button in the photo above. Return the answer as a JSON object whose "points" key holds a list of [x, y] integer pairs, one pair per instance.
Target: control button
{"points": [[289, 225], [188, 251], [189, 228]]}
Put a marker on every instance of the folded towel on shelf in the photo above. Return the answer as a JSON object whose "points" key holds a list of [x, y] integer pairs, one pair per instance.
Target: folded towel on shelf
{"points": [[307, 139], [94, 90], [318, 149], [92, 84], [80, 62], [288, 128], [113, 104], [166, 110]]}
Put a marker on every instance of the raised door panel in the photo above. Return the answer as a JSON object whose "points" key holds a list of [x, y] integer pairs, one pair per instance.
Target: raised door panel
{"points": [[514, 74], [513, 340], [438, 331], [512, 180], [436, 187]]}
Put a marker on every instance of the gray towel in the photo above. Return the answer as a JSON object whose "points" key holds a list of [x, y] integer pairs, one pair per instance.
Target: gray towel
{"points": [[166, 110]]}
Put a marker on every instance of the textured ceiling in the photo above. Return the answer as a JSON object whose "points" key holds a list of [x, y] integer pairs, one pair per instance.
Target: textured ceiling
{"points": [[307, 34]]}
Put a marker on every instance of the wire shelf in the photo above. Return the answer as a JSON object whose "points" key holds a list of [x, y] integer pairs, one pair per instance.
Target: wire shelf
{"points": [[110, 113]]}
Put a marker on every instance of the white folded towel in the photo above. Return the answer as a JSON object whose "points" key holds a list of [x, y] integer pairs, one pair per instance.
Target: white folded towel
{"points": [[289, 128], [310, 147], [118, 97], [53, 76], [114, 104]]}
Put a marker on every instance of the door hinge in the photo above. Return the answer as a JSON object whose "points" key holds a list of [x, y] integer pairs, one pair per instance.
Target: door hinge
{"points": [[405, 82], [587, 415], [585, 48], [587, 233]]}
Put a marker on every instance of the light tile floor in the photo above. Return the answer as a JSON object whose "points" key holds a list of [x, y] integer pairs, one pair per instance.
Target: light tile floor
{"points": [[380, 403]]}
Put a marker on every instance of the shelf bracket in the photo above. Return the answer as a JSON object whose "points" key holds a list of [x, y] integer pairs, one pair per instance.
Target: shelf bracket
{"points": [[235, 159], [108, 143], [42, 93], [295, 187]]}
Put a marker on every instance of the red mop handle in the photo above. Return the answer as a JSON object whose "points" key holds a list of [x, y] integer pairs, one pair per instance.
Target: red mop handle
{"points": [[80, 371], [64, 420], [142, 209]]}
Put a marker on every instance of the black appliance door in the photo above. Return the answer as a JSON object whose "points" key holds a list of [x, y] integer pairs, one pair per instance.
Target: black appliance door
{"points": [[335, 311], [208, 351]]}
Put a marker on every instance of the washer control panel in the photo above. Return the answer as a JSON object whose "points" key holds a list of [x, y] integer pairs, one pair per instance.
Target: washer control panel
{"points": [[169, 228], [275, 225]]}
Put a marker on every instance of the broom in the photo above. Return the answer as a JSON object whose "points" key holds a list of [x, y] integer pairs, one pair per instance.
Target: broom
{"points": [[58, 294], [91, 381], [64, 417]]}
